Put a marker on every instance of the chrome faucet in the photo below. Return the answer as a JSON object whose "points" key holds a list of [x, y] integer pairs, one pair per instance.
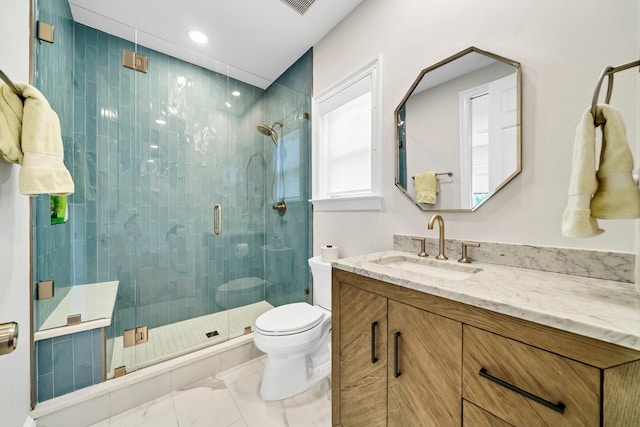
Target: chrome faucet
{"points": [[433, 219]]}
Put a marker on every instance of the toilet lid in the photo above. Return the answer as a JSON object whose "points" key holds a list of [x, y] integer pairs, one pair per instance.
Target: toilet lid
{"points": [[289, 319]]}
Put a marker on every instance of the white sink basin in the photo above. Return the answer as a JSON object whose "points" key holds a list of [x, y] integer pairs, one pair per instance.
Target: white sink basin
{"points": [[432, 268]]}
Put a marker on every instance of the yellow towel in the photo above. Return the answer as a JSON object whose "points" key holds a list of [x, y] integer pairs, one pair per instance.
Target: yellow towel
{"points": [[611, 193], [426, 187], [618, 196], [33, 128], [10, 125]]}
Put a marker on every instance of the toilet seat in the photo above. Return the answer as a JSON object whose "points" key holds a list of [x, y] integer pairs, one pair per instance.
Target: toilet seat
{"points": [[289, 319]]}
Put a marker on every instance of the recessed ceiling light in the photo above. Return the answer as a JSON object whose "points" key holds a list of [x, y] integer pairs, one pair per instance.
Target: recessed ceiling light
{"points": [[198, 37], [228, 104], [235, 93]]}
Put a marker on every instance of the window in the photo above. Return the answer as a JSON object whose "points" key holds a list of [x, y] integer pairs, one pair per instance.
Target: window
{"points": [[346, 131]]}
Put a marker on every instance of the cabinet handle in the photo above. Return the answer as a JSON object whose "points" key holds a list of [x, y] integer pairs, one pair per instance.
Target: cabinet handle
{"points": [[374, 325], [396, 368], [559, 407]]}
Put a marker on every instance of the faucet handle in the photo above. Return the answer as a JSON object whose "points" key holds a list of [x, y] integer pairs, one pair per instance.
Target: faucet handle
{"points": [[422, 253], [465, 259]]}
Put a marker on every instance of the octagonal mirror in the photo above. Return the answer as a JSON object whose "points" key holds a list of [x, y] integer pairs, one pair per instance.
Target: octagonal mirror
{"points": [[458, 137]]}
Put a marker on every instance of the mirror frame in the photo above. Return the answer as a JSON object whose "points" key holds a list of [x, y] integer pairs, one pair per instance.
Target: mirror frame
{"points": [[472, 49]]}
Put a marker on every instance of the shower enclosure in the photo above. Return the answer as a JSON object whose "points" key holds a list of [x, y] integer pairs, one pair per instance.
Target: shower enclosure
{"points": [[173, 198]]}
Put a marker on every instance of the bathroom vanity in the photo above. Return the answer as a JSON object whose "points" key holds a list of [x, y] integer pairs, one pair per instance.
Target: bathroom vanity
{"points": [[491, 346]]}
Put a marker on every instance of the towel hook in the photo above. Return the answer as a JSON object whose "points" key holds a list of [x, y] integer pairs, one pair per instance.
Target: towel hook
{"points": [[9, 83], [608, 72]]}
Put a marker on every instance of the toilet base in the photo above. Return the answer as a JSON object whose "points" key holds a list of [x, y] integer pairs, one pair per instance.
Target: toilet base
{"points": [[285, 377]]}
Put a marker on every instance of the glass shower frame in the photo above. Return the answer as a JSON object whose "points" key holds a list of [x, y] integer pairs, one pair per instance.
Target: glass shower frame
{"points": [[151, 155]]}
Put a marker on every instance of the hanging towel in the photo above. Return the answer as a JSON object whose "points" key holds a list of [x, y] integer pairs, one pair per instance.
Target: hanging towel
{"points": [[10, 125], [618, 196], [426, 187], [612, 192], [31, 136]]}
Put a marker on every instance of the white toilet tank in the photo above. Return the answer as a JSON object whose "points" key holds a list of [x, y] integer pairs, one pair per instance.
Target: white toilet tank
{"points": [[321, 272]]}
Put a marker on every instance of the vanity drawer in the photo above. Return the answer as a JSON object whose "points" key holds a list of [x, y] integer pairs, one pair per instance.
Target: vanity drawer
{"points": [[527, 386], [473, 416]]}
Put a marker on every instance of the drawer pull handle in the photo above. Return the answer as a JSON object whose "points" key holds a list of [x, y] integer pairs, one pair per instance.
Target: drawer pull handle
{"points": [[396, 368], [559, 407], [374, 325]]}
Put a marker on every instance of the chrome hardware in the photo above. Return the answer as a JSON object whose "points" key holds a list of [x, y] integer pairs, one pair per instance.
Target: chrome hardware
{"points": [[433, 219], [8, 337], [465, 259], [217, 219], [422, 252], [281, 207]]}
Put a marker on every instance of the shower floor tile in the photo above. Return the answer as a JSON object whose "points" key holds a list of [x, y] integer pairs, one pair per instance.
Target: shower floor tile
{"points": [[169, 341], [230, 399]]}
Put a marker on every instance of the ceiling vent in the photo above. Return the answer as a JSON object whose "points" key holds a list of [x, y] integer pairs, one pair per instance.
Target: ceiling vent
{"points": [[299, 6]]}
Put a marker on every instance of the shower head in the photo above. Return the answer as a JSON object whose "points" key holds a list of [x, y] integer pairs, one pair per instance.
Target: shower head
{"points": [[267, 130]]}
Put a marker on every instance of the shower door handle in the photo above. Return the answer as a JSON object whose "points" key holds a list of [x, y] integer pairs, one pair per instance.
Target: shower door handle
{"points": [[217, 219]]}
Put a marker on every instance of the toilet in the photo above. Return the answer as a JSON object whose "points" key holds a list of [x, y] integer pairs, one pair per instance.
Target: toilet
{"points": [[297, 340]]}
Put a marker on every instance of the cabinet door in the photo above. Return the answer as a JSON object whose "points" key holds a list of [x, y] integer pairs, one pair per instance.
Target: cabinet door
{"points": [[429, 363], [363, 367]]}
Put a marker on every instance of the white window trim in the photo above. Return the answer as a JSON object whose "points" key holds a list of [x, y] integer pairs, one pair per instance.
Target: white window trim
{"points": [[370, 200]]}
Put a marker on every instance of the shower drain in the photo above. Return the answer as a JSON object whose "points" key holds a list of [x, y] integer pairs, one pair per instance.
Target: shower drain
{"points": [[212, 334]]}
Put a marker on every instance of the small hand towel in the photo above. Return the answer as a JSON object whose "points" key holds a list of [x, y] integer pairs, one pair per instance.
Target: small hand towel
{"points": [[36, 127], [10, 125], [426, 187], [619, 196]]}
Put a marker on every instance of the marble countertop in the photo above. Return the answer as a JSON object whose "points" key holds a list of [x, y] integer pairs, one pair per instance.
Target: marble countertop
{"points": [[94, 302], [606, 310]]}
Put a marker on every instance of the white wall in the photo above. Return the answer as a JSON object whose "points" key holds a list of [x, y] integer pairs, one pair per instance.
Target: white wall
{"points": [[14, 232], [562, 46]]}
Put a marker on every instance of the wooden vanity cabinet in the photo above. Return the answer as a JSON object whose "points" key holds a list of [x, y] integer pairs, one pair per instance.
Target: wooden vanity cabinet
{"points": [[398, 365], [363, 361], [461, 365]]}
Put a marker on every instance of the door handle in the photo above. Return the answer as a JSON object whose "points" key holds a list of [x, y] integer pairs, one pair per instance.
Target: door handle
{"points": [[558, 407], [217, 219], [396, 367], [374, 325]]}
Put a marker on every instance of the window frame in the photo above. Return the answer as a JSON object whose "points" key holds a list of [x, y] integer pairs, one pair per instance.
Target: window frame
{"points": [[361, 200]]}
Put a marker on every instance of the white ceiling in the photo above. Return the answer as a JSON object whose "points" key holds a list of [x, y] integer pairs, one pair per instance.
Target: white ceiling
{"points": [[254, 41]]}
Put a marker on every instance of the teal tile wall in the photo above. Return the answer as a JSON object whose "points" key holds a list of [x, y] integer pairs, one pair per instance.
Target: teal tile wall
{"points": [[286, 262], [67, 363]]}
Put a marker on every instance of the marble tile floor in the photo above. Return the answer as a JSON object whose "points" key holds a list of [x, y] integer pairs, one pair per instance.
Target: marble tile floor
{"points": [[230, 398]]}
